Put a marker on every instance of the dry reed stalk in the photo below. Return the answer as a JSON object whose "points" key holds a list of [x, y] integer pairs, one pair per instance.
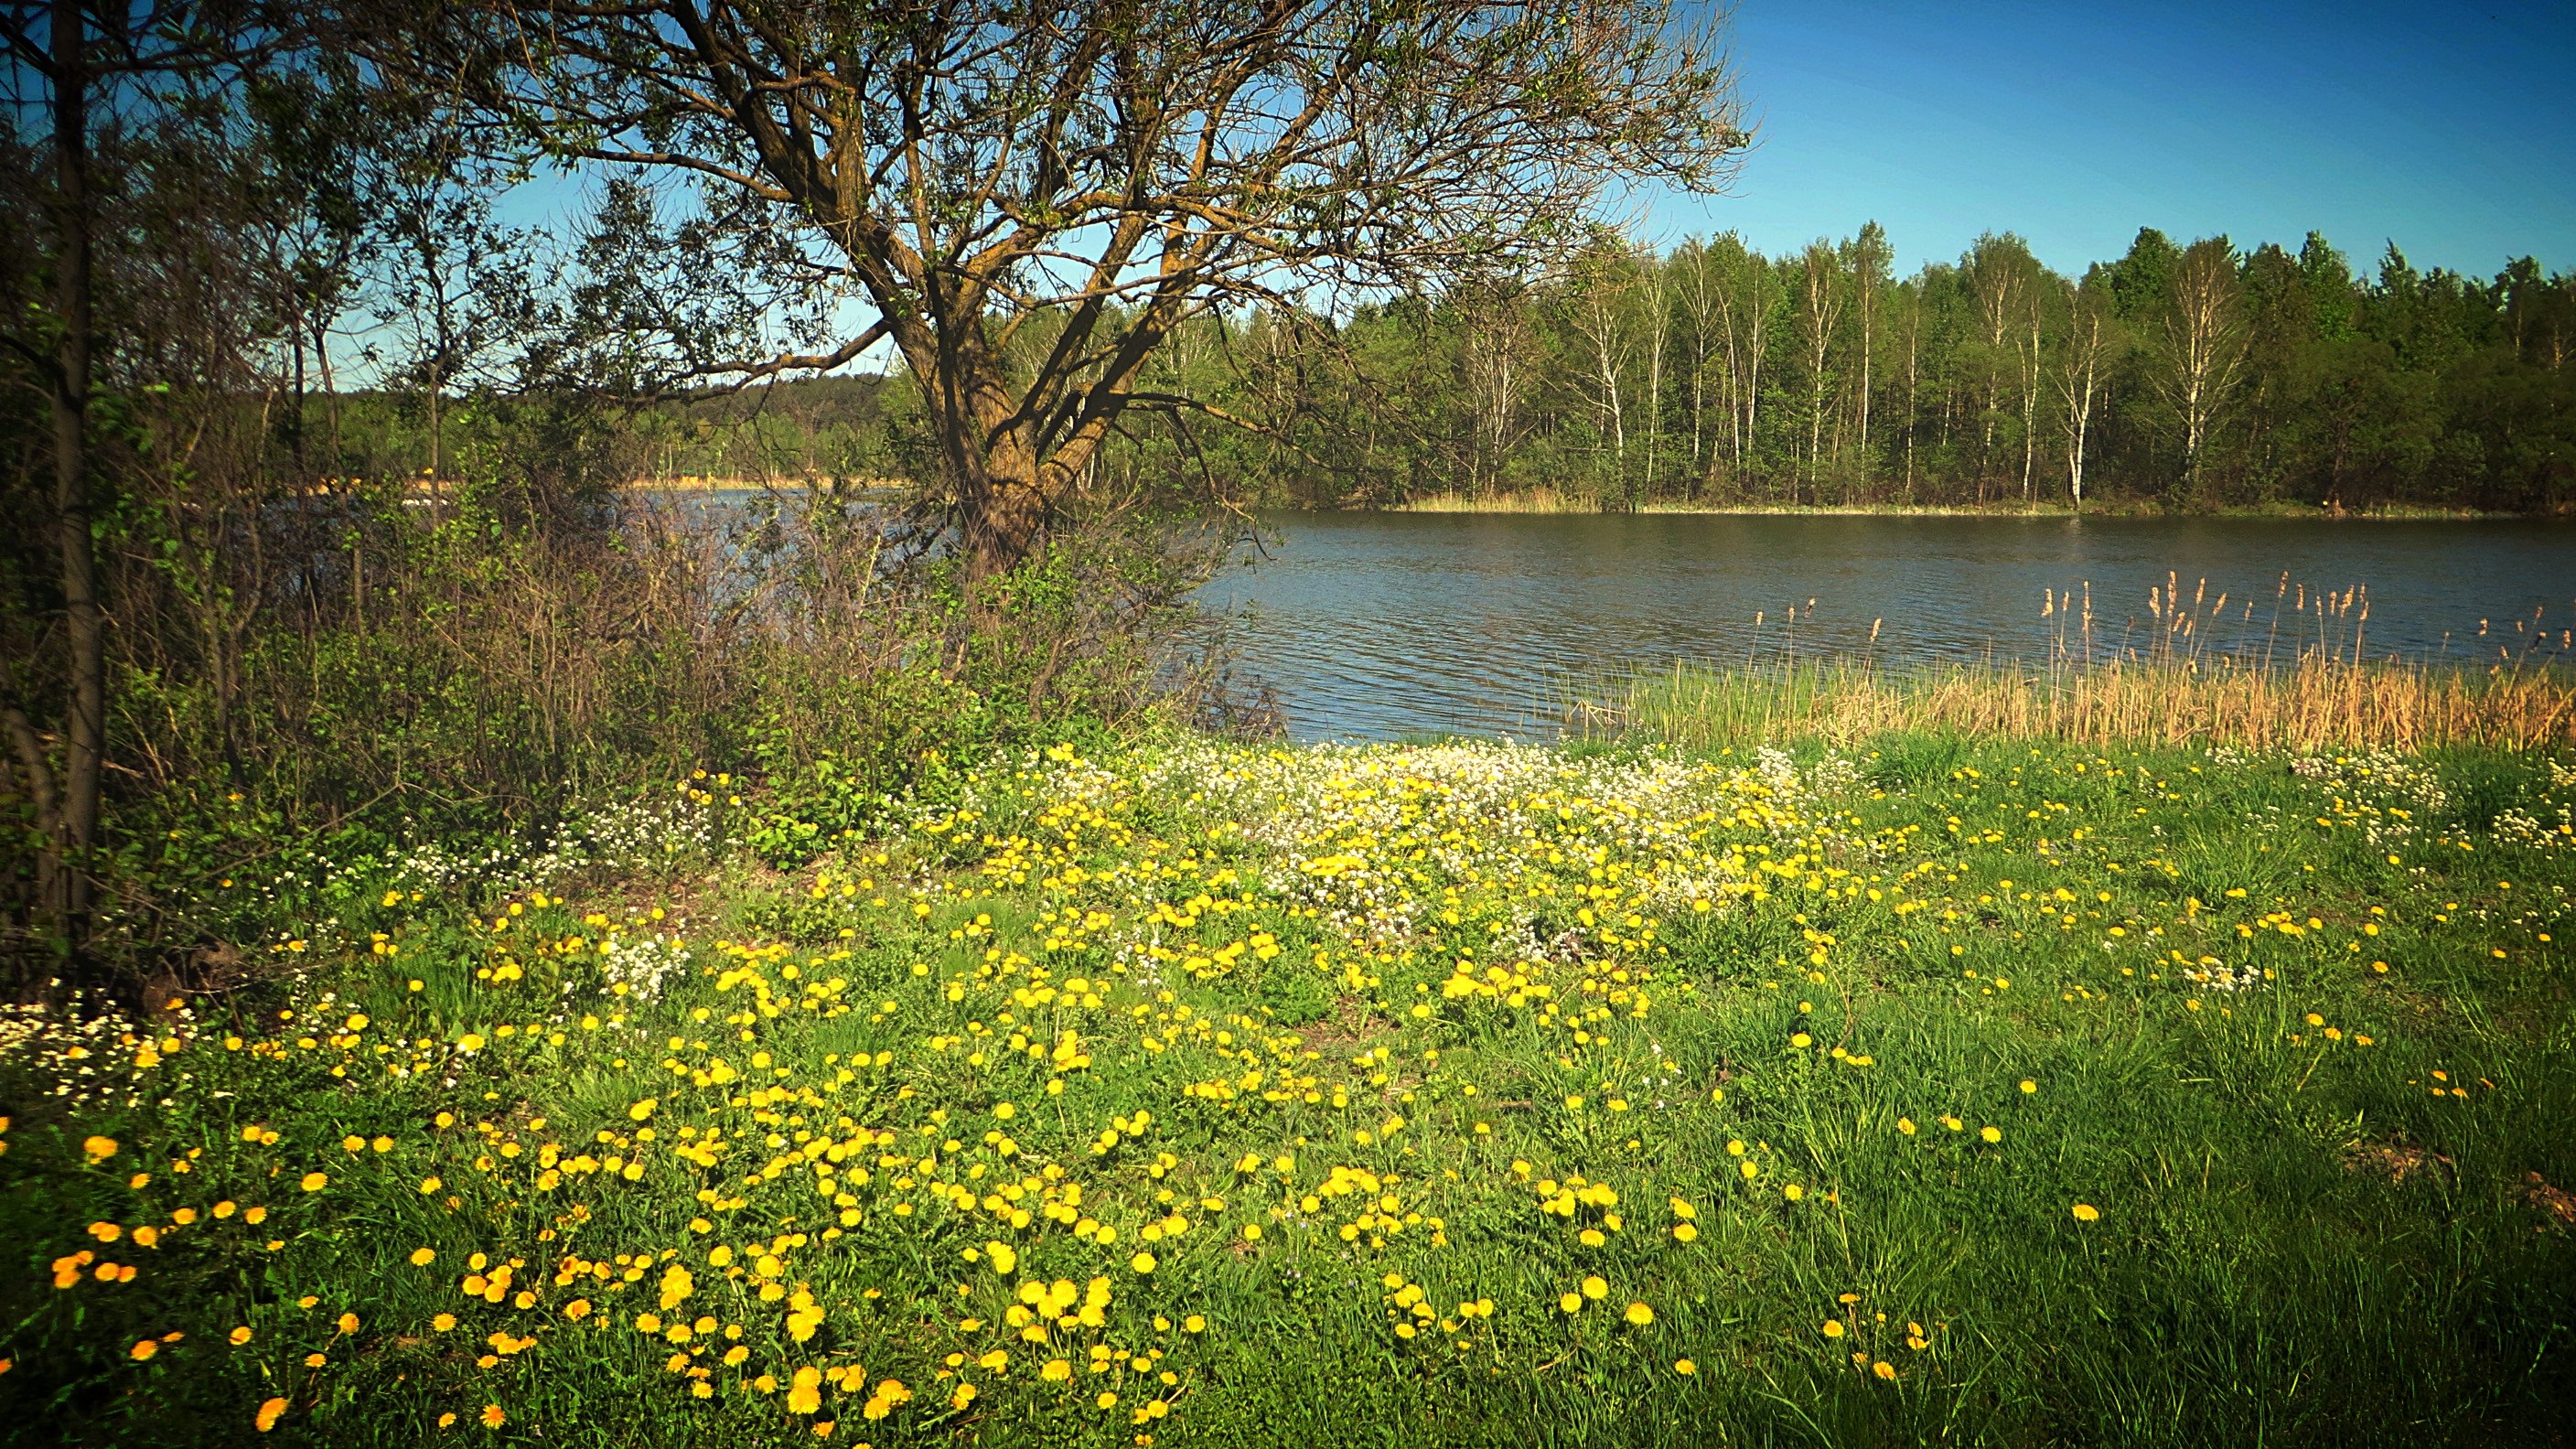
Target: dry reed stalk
{"points": [[2318, 703]]}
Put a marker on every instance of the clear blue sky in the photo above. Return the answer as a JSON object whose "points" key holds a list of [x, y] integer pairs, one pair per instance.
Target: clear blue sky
{"points": [[2449, 129]]}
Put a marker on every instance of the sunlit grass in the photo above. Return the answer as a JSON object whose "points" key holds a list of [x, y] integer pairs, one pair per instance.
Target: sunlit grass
{"points": [[1942, 1088]]}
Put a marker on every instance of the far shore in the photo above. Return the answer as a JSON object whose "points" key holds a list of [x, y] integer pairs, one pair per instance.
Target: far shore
{"points": [[1549, 502]]}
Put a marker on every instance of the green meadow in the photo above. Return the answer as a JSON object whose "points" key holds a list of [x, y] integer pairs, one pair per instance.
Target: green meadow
{"points": [[1182, 1092]]}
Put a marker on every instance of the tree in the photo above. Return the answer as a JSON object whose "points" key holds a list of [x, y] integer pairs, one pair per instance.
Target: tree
{"points": [[2200, 349], [1598, 310], [2084, 365], [1820, 300], [2001, 272], [963, 168], [1745, 299], [1869, 259], [98, 67]]}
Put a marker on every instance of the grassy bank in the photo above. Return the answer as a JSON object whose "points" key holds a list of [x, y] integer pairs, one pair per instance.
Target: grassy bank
{"points": [[2318, 704], [1940, 1088], [1549, 500]]}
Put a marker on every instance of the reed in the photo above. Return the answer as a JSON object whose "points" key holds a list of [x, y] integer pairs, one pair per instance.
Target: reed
{"points": [[2315, 703], [1536, 500], [2200, 669]]}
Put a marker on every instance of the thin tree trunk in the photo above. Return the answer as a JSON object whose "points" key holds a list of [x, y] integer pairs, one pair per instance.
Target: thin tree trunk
{"points": [[85, 624]]}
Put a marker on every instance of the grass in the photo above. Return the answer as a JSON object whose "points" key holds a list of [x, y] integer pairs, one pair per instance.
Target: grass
{"points": [[1947, 1088]]}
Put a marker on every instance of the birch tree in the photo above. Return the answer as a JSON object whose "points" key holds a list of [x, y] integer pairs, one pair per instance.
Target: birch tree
{"points": [[2084, 363], [2200, 346]]}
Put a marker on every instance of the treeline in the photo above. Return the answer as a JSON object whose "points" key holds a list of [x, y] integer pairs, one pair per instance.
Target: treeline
{"points": [[2184, 376], [810, 429]]}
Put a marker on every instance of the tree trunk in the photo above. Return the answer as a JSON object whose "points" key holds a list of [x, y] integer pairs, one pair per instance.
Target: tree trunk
{"points": [[67, 894]]}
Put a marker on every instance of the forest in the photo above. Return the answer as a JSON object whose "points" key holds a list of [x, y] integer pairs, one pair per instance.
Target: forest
{"points": [[2181, 376]]}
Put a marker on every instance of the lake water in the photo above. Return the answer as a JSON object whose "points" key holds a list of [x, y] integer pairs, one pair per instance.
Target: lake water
{"points": [[1370, 625]]}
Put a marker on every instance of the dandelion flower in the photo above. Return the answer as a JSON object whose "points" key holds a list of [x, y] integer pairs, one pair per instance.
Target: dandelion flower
{"points": [[315, 1181], [1991, 1134], [99, 1148], [1639, 1314], [1883, 1369], [2086, 1212], [493, 1418], [1142, 1262], [1571, 1303], [240, 1336], [1684, 1367], [421, 1257], [145, 1348], [443, 1322], [269, 1414], [1833, 1328], [2028, 1086], [1595, 1288]]}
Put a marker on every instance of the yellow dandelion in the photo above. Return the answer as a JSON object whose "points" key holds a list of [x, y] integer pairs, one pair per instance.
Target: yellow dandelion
{"points": [[1833, 1328], [1571, 1303], [269, 1413], [1594, 1288], [1685, 1367], [315, 1181], [2086, 1212], [1142, 1262], [145, 1348], [493, 1418], [240, 1336], [422, 1257], [1883, 1369], [1639, 1314]]}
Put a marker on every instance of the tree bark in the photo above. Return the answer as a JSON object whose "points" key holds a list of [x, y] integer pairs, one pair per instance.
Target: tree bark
{"points": [[67, 893]]}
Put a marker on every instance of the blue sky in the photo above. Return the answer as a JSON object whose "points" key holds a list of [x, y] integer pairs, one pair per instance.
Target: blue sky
{"points": [[2451, 130]]}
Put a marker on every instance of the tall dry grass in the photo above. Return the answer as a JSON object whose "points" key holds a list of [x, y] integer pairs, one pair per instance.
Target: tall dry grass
{"points": [[2206, 671], [2313, 704]]}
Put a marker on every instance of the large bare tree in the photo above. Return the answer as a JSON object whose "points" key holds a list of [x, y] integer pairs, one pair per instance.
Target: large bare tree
{"points": [[960, 168]]}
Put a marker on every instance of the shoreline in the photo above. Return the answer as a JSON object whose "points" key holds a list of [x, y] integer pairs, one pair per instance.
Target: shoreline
{"points": [[1545, 504]]}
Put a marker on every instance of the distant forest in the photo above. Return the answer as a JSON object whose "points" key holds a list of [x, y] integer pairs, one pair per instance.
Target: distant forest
{"points": [[2190, 377]]}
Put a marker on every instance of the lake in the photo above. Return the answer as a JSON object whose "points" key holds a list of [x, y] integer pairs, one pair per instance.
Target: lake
{"points": [[1371, 625]]}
